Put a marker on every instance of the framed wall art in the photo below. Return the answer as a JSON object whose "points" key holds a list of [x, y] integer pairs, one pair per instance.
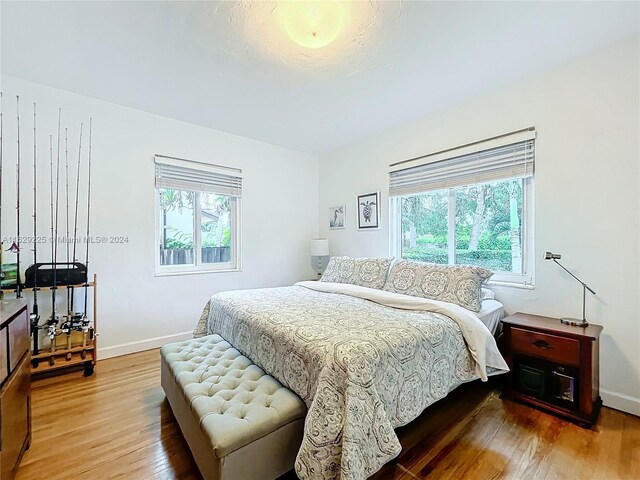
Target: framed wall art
{"points": [[337, 217], [369, 211]]}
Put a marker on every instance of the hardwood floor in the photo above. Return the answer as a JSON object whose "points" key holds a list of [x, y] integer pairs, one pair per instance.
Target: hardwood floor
{"points": [[117, 424]]}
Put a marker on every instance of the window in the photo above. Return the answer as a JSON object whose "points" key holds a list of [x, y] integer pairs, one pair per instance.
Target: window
{"points": [[471, 209], [198, 217]]}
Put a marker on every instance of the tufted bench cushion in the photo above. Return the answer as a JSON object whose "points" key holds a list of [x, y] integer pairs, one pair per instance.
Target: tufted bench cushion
{"points": [[227, 406]]}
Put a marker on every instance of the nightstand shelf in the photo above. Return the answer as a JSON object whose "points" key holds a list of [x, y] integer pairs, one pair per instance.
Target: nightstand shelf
{"points": [[553, 366]]}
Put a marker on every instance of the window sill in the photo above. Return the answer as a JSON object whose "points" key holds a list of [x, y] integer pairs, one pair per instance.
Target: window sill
{"points": [[522, 286], [197, 272]]}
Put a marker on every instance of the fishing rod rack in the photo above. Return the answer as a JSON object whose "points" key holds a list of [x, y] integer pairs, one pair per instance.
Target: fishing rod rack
{"points": [[71, 331], [69, 348]]}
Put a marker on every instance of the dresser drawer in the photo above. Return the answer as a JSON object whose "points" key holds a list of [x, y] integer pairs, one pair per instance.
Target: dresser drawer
{"points": [[15, 416], [18, 338], [544, 345]]}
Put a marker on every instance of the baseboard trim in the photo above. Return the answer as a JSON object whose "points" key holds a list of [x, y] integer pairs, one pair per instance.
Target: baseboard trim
{"points": [[620, 401], [142, 345]]}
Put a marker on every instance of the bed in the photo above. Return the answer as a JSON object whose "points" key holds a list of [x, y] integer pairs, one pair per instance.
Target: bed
{"points": [[491, 312], [365, 361]]}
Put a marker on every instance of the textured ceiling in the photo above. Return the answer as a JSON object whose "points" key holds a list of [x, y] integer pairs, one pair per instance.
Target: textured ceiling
{"points": [[256, 34], [230, 65]]}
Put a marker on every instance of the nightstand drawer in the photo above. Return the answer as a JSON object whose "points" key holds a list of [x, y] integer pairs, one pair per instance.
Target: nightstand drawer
{"points": [[543, 345]]}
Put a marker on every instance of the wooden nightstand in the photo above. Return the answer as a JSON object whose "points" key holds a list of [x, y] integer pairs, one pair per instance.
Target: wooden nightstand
{"points": [[553, 366]]}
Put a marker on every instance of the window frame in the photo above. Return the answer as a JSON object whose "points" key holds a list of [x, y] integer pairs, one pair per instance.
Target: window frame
{"points": [[526, 279], [234, 265]]}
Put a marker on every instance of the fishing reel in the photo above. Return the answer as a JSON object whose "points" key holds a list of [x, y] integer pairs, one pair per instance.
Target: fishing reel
{"points": [[51, 326], [85, 324], [76, 321], [34, 319], [51, 331], [66, 327]]}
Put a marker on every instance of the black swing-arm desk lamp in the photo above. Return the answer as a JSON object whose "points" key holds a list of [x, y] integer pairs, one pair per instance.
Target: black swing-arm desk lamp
{"points": [[572, 321]]}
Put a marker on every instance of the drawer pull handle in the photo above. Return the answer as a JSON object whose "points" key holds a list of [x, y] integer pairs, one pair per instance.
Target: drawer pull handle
{"points": [[542, 344]]}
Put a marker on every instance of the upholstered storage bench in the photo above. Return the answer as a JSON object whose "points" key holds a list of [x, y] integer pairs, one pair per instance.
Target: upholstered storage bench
{"points": [[239, 422]]}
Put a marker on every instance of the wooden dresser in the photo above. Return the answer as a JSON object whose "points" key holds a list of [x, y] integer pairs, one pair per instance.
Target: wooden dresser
{"points": [[553, 366], [15, 385]]}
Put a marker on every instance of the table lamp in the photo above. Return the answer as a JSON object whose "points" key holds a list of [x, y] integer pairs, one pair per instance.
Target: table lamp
{"points": [[319, 248], [572, 321]]}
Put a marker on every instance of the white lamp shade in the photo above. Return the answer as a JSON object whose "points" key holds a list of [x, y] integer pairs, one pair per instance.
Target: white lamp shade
{"points": [[319, 247]]}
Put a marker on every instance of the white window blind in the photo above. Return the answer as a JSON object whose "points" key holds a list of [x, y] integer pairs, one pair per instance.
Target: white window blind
{"points": [[188, 175], [513, 160]]}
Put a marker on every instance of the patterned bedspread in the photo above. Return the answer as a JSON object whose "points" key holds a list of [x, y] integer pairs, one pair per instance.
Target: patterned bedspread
{"points": [[362, 368]]}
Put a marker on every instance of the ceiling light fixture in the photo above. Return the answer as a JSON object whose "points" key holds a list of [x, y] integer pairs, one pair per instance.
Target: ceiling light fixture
{"points": [[313, 24]]}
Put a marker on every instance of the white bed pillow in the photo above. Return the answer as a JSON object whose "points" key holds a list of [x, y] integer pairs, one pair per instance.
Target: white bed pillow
{"points": [[487, 294], [459, 284], [365, 272]]}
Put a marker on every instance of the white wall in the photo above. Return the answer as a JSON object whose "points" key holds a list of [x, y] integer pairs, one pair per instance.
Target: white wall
{"points": [[586, 194], [279, 209]]}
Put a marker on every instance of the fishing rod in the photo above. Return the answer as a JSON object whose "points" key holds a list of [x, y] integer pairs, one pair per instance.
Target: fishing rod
{"points": [[51, 323], [53, 296], [35, 315], [54, 287], [66, 239], [66, 325], [53, 320], [85, 320], [15, 247], [57, 215], [75, 221]]}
